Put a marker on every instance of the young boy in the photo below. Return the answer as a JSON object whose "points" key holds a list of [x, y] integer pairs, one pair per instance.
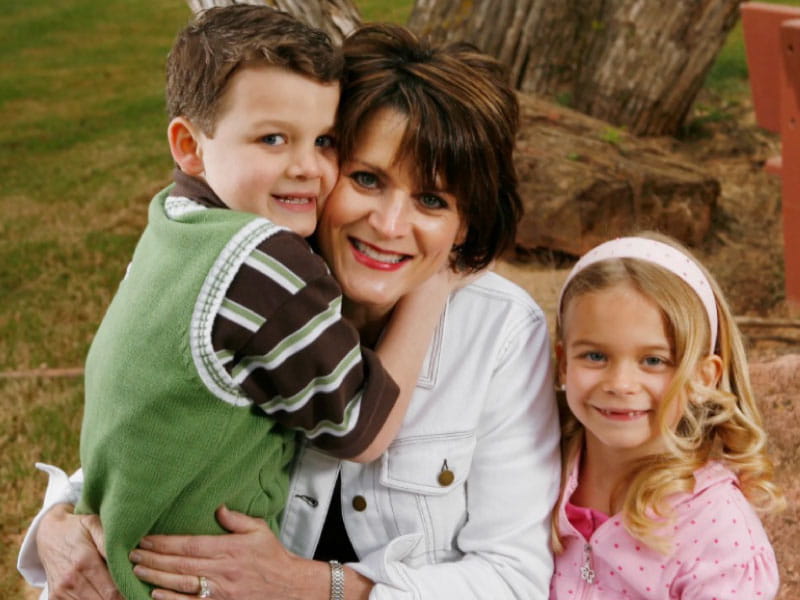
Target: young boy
{"points": [[225, 337]]}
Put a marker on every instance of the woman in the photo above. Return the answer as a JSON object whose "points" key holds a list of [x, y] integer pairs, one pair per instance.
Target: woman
{"points": [[458, 506]]}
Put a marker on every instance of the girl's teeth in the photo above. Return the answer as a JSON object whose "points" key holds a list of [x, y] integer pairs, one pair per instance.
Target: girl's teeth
{"points": [[375, 254], [630, 413]]}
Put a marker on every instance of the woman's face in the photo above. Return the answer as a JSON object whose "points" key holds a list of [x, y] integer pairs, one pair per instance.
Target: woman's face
{"points": [[381, 234]]}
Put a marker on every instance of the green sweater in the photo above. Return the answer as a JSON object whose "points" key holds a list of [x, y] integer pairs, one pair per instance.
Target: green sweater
{"points": [[160, 451]]}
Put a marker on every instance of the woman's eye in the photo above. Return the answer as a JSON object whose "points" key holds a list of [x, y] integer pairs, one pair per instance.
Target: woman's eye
{"points": [[325, 141], [274, 139], [365, 179], [432, 201]]}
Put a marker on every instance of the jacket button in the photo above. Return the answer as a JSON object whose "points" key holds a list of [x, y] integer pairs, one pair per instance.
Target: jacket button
{"points": [[360, 503], [446, 477]]}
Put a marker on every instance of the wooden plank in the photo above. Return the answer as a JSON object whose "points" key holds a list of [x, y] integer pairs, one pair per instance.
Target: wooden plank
{"points": [[760, 25], [790, 150]]}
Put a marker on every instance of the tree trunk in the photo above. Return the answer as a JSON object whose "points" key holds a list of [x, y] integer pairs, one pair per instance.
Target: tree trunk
{"points": [[581, 179], [337, 18], [634, 63]]}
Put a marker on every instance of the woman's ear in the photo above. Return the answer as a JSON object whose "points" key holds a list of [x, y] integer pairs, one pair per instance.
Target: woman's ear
{"points": [[185, 146]]}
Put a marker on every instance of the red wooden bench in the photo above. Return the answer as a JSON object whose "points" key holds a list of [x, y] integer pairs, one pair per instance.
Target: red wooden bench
{"points": [[772, 46]]}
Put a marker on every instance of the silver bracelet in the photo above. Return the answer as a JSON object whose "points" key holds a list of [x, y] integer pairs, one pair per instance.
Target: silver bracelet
{"points": [[337, 580]]}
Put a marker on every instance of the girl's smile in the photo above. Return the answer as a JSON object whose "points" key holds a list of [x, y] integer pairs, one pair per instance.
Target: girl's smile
{"points": [[617, 363], [622, 415]]}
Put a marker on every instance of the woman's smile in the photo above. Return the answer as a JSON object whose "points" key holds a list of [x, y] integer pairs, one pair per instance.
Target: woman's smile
{"points": [[375, 257], [381, 233]]}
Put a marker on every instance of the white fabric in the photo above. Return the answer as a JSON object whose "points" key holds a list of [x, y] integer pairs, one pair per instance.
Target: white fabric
{"points": [[490, 413], [61, 489]]}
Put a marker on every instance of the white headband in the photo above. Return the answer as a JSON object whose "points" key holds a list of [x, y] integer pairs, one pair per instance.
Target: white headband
{"points": [[658, 253]]}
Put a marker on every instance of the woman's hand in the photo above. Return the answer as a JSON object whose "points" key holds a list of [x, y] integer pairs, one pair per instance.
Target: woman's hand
{"points": [[248, 563], [71, 550]]}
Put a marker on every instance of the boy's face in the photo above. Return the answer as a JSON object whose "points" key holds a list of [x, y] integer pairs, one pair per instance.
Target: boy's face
{"points": [[273, 152]]}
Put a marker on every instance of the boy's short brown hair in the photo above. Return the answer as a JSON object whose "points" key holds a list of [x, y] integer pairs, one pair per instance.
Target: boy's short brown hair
{"points": [[208, 51]]}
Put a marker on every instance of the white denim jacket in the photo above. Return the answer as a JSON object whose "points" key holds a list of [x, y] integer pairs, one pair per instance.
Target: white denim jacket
{"points": [[459, 505]]}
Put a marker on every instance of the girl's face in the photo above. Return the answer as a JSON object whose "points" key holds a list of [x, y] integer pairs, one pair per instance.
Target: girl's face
{"points": [[616, 361], [381, 234]]}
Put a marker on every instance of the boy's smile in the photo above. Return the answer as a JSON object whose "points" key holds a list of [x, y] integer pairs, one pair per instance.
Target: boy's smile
{"points": [[272, 152]]}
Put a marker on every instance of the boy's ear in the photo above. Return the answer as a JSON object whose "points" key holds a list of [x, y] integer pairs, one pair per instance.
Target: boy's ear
{"points": [[185, 146]]}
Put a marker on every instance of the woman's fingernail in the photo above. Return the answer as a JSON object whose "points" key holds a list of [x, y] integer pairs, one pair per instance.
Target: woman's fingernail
{"points": [[157, 595], [146, 544], [134, 556]]}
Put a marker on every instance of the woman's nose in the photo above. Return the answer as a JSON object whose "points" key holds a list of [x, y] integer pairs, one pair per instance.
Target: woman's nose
{"points": [[391, 216]]}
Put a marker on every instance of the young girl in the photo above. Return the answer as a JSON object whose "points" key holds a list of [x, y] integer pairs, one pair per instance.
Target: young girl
{"points": [[664, 461]]}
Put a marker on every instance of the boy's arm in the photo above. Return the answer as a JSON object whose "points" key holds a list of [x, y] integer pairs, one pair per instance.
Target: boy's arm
{"points": [[404, 345], [280, 338], [285, 344]]}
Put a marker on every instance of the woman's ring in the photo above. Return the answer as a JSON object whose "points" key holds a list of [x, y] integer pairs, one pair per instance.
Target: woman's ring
{"points": [[205, 591]]}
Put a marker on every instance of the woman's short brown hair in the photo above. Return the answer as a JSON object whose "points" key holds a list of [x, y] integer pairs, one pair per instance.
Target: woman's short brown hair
{"points": [[208, 51], [462, 123]]}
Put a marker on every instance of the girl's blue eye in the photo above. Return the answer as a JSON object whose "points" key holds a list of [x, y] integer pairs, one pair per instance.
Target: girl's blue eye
{"points": [[654, 361], [432, 201], [595, 356], [273, 139], [325, 141], [365, 179]]}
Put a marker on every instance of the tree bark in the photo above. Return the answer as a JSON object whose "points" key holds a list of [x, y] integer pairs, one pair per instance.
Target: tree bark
{"points": [[337, 18], [634, 63]]}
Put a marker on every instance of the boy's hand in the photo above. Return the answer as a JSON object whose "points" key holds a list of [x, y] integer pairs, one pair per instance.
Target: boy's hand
{"points": [[444, 283]]}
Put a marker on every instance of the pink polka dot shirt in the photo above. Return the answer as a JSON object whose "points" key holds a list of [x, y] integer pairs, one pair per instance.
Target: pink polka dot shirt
{"points": [[720, 551]]}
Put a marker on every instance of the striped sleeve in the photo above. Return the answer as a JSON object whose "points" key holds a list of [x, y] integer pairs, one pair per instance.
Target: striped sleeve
{"points": [[281, 335]]}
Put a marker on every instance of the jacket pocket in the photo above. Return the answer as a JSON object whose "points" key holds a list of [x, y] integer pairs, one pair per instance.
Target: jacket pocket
{"points": [[425, 478], [430, 465]]}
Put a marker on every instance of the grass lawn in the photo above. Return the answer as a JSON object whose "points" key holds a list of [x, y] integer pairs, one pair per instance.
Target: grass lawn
{"points": [[82, 150]]}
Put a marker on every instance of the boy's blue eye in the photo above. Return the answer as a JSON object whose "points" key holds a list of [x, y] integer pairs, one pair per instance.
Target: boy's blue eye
{"points": [[325, 141], [273, 139]]}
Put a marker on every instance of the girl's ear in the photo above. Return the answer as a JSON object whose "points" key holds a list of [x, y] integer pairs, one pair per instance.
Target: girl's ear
{"points": [[561, 364], [709, 370], [185, 146]]}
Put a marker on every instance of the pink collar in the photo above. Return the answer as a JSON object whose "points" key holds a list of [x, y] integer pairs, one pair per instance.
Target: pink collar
{"points": [[585, 520]]}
